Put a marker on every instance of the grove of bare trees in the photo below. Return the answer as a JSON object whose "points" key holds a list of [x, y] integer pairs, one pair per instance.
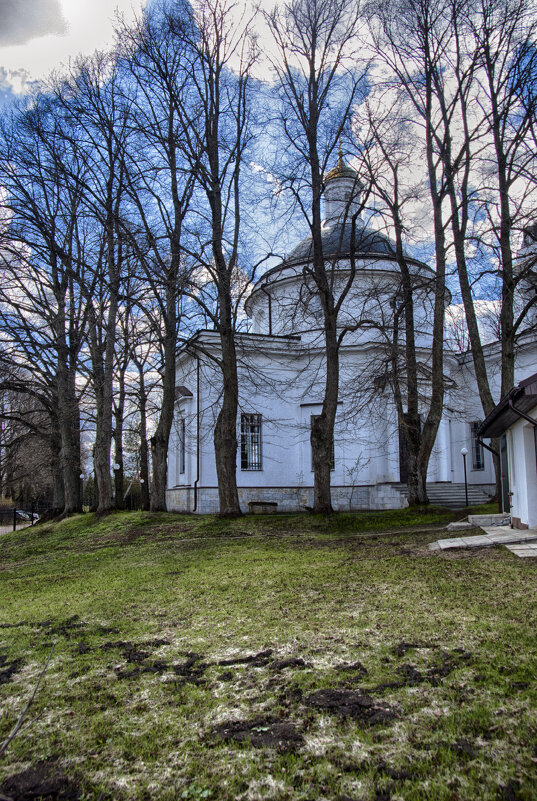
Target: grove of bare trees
{"points": [[126, 223]]}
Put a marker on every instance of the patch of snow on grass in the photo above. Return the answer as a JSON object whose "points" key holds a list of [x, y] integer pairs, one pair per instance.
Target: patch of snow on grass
{"points": [[265, 788]]}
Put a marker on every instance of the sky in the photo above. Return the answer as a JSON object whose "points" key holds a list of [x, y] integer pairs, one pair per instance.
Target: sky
{"points": [[39, 36]]}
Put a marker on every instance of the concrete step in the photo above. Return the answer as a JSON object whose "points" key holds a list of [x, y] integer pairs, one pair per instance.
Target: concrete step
{"points": [[483, 521], [452, 495], [523, 543]]}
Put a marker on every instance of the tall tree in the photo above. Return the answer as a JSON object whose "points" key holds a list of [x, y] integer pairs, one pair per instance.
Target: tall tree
{"points": [[318, 86], [467, 54], [160, 183], [216, 130], [391, 162], [95, 114], [44, 250]]}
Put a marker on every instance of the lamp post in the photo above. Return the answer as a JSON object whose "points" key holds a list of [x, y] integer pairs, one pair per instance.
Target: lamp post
{"points": [[81, 477], [464, 451], [117, 494]]}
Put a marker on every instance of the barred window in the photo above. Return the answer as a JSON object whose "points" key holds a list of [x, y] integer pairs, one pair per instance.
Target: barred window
{"points": [[333, 459], [251, 456], [478, 454]]}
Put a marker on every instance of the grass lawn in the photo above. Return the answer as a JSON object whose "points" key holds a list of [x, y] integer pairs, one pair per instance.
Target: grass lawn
{"points": [[284, 657]]}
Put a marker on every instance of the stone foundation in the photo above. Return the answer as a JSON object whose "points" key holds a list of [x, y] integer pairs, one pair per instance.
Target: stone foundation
{"points": [[517, 523], [289, 499]]}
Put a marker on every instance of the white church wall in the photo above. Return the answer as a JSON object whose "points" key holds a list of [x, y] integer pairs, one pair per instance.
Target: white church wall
{"points": [[523, 472]]}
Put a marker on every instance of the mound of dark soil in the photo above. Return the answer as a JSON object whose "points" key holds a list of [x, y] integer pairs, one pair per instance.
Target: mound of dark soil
{"points": [[44, 781], [402, 647], [8, 669], [357, 668], [350, 704], [410, 674], [293, 662], [261, 733]]}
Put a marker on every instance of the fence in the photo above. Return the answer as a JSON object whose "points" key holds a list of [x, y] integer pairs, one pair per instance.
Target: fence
{"points": [[13, 518]]}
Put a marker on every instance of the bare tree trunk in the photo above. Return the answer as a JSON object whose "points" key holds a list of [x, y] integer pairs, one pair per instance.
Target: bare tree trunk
{"points": [[225, 431], [119, 412], [68, 413], [144, 450], [103, 387], [159, 442], [58, 493], [322, 430], [317, 38]]}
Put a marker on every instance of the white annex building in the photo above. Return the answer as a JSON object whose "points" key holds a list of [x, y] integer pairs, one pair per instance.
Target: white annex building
{"points": [[281, 383]]}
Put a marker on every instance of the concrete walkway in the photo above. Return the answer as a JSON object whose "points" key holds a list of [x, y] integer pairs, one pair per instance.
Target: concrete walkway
{"points": [[9, 529], [521, 543]]}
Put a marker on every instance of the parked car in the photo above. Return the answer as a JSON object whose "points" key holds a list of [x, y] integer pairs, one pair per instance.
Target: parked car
{"points": [[27, 517]]}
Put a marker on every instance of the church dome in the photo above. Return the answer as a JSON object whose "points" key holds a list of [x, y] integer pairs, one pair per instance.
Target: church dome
{"points": [[337, 244], [341, 170]]}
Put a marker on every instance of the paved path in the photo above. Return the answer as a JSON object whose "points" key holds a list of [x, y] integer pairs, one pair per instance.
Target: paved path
{"points": [[9, 529], [521, 543]]}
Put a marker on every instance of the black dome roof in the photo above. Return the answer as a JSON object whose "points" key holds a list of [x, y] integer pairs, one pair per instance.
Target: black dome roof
{"points": [[337, 243]]}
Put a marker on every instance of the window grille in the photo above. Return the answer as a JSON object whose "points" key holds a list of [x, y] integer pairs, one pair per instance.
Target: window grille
{"points": [[251, 455], [478, 454], [181, 434], [333, 459]]}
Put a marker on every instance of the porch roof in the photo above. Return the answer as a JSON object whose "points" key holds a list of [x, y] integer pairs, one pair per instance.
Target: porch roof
{"points": [[521, 398]]}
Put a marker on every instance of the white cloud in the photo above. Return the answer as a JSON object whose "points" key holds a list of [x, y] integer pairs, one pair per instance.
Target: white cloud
{"points": [[24, 20], [64, 29]]}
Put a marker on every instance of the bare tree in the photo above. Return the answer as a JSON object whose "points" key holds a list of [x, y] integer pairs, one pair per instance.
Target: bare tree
{"points": [[318, 87], [216, 130], [502, 38], [43, 311], [473, 58], [412, 367], [160, 185], [95, 117]]}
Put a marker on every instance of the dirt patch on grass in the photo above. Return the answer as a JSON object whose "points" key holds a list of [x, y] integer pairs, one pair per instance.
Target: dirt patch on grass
{"points": [[261, 733], [408, 674], [130, 535], [8, 669], [291, 662], [350, 704], [191, 671], [44, 781], [356, 668], [131, 652], [136, 654], [402, 647]]}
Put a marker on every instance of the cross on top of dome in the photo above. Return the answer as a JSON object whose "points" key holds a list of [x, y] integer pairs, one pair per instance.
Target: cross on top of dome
{"points": [[341, 170]]}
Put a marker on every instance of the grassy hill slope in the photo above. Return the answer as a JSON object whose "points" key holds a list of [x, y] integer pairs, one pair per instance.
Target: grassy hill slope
{"points": [[265, 658]]}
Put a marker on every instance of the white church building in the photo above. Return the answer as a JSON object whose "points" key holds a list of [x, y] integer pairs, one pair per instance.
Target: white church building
{"points": [[281, 383]]}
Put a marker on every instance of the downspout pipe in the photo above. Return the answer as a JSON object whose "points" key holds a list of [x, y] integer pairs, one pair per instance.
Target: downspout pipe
{"points": [[522, 414], [265, 292], [492, 450], [196, 482]]}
